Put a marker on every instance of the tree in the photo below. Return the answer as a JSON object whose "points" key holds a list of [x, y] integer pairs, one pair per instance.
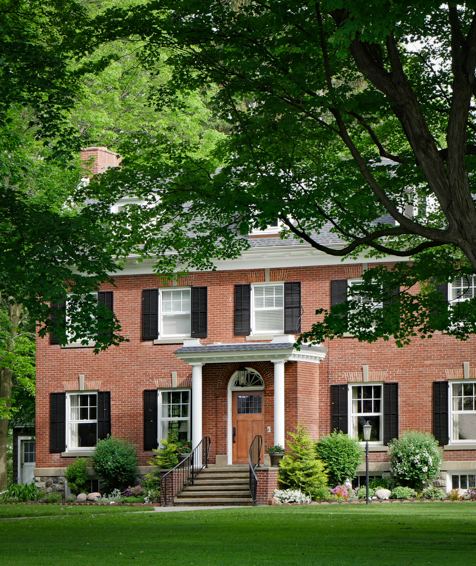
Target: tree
{"points": [[347, 116]]}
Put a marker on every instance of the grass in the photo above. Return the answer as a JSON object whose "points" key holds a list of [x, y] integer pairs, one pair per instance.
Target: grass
{"points": [[8, 511], [411, 534]]}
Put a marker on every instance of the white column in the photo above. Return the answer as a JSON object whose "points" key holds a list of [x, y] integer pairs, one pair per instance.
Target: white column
{"points": [[196, 403], [279, 429]]}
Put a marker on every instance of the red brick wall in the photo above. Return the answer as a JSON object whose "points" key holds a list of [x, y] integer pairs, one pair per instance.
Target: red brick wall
{"points": [[98, 159], [135, 365]]}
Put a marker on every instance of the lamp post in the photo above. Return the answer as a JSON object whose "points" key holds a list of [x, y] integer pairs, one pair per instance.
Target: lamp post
{"points": [[367, 429]]}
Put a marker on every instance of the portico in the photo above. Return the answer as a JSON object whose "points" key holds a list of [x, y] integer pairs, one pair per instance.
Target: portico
{"points": [[279, 351]]}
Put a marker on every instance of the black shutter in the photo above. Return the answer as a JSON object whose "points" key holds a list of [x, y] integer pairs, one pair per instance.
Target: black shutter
{"points": [[199, 312], [57, 422], [338, 291], [339, 410], [395, 293], [292, 308], [57, 319], [150, 314], [390, 412], [104, 414], [242, 309], [150, 419], [440, 412], [442, 288], [106, 298]]}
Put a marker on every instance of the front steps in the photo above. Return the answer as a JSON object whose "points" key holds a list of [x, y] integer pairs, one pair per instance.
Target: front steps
{"points": [[227, 485]]}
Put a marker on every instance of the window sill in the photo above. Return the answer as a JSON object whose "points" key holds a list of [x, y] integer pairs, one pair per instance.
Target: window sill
{"points": [[471, 446], [259, 337], [76, 453], [374, 447], [171, 340], [79, 345]]}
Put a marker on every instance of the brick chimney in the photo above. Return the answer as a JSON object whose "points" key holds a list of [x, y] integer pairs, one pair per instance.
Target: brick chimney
{"points": [[102, 160]]}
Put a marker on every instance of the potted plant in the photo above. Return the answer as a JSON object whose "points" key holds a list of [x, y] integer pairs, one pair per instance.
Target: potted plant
{"points": [[184, 450], [276, 453]]}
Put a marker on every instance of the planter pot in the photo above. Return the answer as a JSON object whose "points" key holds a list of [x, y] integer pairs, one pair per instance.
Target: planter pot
{"points": [[181, 457], [276, 457]]}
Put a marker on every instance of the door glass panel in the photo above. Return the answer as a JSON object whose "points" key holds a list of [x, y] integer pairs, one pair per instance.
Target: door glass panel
{"points": [[249, 404]]}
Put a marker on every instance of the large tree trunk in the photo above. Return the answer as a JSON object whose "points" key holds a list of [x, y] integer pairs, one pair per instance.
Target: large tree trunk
{"points": [[6, 382], [5, 393]]}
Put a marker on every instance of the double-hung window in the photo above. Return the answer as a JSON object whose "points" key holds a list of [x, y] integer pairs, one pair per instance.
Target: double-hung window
{"points": [[175, 317], [463, 412], [463, 289], [366, 405], [174, 414], [268, 309], [82, 420]]}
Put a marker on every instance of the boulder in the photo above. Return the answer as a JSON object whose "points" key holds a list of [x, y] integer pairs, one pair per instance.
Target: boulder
{"points": [[93, 496], [82, 497], [383, 493]]}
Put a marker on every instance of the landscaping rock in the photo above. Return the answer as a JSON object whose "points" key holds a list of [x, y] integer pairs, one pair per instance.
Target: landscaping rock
{"points": [[81, 497], [49, 483], [274, 501], [93, 496], [383, 493]]}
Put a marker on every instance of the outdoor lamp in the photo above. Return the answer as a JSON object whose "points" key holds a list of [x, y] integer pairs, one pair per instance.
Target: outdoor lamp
{"points": [[367, 430]]}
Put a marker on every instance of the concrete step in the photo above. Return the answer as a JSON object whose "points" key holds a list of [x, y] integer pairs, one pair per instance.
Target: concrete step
{"points": [[213, 501], [222, 481], [210, 487], [195, 494], [222, 475]]}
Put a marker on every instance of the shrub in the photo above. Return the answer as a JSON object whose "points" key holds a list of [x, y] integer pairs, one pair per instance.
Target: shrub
{"points": [[277, 449], [77, 475], [290, 496], [114, 497], [21, 492], [341, 454], [153, 496], [167, 453], [53, 498], [300, 469], [433, 493], [402, 492], [115, 462], [71, 499], [381, 483], [414, 458], [362, 492], [132, 499], [471, 493]]}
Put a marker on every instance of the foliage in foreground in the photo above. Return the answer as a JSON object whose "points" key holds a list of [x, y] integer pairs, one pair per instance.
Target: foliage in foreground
{"points": [[415, 458], [300, 469], [115, 461], [77, 475], [20, 492], [341, 455]]}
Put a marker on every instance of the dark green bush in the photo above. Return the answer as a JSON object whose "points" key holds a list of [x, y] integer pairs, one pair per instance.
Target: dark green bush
{"points": [[341, 455], [115, 462], [77, 476], [300, 469]]}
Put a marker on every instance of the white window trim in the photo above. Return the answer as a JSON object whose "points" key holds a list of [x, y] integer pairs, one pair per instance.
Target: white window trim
{"points": [[459, 299], [269, 229], [357, 281], [264, 333], [161, 419], [451, 473], [452, 442], [164, 337], [351, 413], [77, 449]]}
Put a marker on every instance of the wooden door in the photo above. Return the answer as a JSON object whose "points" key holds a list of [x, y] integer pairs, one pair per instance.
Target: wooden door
{"points": [[248, 421]]}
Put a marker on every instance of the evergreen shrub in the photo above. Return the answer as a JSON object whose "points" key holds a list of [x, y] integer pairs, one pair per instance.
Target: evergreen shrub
{"points": [[115, 462], [300, 469], [77, 476], [341, 454]]}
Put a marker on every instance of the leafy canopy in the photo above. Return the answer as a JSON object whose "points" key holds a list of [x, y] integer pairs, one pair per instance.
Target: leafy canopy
{"points": [[344, 116]]}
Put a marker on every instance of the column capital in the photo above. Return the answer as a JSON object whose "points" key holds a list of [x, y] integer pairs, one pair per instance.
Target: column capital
{"points": [[196, 364], [283, 361]]}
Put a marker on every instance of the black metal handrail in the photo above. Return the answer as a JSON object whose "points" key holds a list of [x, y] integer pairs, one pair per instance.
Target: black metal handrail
{"points": [[255, 458], [184, 473]]}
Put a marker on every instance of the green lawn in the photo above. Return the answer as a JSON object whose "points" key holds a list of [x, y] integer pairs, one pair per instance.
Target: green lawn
{"points": [[339, 535], [8, 510]]}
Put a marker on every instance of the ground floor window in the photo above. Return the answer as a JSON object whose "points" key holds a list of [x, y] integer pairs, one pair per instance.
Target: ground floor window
{"points": [[361, 481], [174, 414], [463, 411], [82, 424], [366, 406], [463, 481]]}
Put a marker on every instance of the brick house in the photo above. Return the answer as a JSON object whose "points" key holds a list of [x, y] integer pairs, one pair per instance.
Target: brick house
{"points": [[213, 355]]}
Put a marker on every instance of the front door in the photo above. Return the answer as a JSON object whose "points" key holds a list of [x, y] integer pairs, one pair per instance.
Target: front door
{"points": [[248, 421]]}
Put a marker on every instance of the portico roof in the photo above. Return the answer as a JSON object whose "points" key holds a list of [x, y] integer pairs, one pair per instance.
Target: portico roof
{"points": [[281, 348]]}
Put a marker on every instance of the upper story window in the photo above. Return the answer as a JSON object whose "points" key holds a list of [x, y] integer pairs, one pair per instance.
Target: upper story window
{"points": [[174, 313], [366, 406], [268, 308], [362, 299], [463, 412], [462, 289]]}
